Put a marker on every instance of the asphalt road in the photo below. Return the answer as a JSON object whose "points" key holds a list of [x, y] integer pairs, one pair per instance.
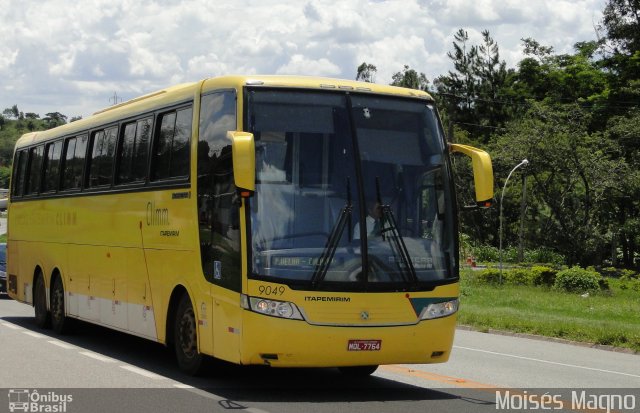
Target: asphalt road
{"points": [[106, 371]]}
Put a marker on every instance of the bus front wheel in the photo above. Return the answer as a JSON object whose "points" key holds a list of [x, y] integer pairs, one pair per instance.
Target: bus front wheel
{"points": [[40, 303], [185, 338]]}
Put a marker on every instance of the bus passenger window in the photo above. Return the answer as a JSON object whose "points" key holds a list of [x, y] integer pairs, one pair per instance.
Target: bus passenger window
{"points": [[74, 155], [104, 145], [171, 154], [52, 167], [35, 171], [134, 146], [20, 170]]}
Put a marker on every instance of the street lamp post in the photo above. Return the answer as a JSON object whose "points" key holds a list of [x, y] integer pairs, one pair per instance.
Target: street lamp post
{"points": [[523, 163]]}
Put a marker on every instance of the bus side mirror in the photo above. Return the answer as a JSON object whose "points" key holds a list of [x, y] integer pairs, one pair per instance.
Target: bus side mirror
{"points": [[482, 172], [244, 162]]}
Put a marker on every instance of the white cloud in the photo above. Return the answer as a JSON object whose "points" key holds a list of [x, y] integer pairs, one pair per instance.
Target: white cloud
{"points": [[300, 65], [71, 57], [8, 57]]}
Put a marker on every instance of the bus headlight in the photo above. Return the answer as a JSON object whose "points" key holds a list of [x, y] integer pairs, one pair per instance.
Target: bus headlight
{"points": [[281, 309], [438, 310]]}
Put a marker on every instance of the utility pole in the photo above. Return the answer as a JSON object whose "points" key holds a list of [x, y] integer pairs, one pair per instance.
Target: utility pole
{"points": [[115, 99], [523, 208], [523, 163]]}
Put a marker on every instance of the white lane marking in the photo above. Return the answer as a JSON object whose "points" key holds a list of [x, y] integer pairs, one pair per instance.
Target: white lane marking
{"points": [[97, 356], [548, 362], [142, 372], [62, 344], [182, 386], [33, 334], [11, 326], [255, 410]]}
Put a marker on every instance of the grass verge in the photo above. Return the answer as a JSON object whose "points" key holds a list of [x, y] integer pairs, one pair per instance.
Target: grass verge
{"points": [[611, 318]]}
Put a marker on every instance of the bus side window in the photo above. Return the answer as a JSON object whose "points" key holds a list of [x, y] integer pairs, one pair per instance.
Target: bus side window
{"points": [[20, 170], [52, 167], [74, 155], [171, 147], [134, 147], [103, 150], [34, 171]]}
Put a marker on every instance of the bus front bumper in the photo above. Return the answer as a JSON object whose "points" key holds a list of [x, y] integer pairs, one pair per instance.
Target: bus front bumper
{"points": [[293, 343]]}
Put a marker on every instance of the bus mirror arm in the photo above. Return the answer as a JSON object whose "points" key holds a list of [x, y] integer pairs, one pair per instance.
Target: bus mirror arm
{"points": [[482, 173], [244, 162], [470, 207]]}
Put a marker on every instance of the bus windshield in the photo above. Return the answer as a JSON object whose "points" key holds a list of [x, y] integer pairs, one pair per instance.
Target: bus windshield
{"points": [[352, 191]]}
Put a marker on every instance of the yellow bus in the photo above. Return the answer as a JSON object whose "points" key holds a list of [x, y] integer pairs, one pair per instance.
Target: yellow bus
{"points": [[222, 218]]}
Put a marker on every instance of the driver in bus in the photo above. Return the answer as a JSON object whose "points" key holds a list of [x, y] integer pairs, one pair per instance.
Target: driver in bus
{"points": [[373, 220]]}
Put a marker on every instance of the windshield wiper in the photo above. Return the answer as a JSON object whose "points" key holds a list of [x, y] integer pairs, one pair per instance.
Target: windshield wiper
{"points": [[396, 242], [322, 266]]}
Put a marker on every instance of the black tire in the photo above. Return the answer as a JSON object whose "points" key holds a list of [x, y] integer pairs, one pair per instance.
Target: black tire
{"points": [[185, 338], [358, 371], [42, 316], [59, 321]]}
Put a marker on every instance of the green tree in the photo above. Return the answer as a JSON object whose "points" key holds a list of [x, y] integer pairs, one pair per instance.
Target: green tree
{"points": [[5, 175], [458, 87], [411, 79], [366, 72], [491, 74], [574, 174], [11, 112], [621, 21], [474, 95], [620, 48], [532, 79], [54, 119], [560, 78], [625, 206]]}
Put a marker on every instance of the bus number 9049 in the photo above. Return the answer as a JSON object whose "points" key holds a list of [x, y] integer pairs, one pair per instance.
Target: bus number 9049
{"points": [[269, 290]]}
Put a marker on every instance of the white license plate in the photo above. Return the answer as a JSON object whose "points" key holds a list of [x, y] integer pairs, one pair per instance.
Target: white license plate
{"points": [[364, 345]]}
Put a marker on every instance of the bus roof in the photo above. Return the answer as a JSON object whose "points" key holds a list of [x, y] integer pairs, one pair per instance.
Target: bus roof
{"points": [[311, 82], [186, 91]]}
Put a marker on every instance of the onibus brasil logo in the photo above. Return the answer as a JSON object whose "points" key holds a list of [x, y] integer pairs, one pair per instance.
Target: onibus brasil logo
{"points": [[25, 400]]}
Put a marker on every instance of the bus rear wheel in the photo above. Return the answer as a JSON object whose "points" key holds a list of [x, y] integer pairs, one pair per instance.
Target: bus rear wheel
{"points": [[40, 303], [185, 339], [358, 371], [58, 320]]}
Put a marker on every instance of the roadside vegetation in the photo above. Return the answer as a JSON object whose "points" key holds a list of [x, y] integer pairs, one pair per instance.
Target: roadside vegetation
{"points": [[587, 305]]}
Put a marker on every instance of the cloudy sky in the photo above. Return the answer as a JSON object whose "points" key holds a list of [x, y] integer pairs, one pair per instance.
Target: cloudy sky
{"points": [[71, 56]]}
